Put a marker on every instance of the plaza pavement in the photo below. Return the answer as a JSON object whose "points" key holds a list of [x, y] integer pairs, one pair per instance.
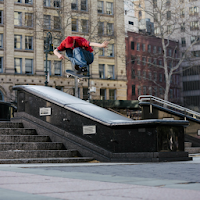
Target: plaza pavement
{"points": [[101, 181]]}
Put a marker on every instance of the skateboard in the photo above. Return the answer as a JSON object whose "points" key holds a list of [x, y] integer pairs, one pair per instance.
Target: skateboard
{"points": [[75, 74]]}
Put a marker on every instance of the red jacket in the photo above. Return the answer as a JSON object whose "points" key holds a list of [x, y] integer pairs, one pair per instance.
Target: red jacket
{"points": [[79, 42]]}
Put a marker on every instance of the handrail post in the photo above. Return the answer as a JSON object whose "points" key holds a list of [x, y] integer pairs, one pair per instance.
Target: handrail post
{"points": [[151, 107]]}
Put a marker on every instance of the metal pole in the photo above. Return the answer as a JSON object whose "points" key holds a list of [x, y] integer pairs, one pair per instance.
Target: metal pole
{"points": [[88, 83]]}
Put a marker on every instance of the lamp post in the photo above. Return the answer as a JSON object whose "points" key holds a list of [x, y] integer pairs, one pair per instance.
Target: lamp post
{"points": [[48, 49]]}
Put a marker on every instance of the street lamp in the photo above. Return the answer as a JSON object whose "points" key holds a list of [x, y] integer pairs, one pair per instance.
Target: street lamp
{"points": [[48, 49]]}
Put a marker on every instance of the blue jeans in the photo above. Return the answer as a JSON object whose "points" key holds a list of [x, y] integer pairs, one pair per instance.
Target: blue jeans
{"points": [[80, 57]]}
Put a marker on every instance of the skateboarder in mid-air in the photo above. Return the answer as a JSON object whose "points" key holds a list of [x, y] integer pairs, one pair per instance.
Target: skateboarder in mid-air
{"points": [[79, 51]]}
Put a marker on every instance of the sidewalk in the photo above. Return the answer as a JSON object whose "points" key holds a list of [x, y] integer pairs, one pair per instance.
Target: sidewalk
{"points": [[101, 181]]}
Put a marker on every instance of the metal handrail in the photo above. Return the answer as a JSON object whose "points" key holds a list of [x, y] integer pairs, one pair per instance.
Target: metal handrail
{"points": [[151, 98]]}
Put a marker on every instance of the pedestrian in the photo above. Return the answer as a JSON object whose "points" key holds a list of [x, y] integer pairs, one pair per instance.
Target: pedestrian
{"points": [[79, 51]]}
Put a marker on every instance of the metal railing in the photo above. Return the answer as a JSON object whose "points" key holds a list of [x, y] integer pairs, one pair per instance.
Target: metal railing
{"points": [[171, 106]]}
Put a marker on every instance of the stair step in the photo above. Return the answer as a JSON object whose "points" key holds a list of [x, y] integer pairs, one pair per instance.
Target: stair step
{"points": [[31, 146], [24, 138], [10, 125], [192, 150], [46, 160], [15, 154], [188, 144], [17, 131]]}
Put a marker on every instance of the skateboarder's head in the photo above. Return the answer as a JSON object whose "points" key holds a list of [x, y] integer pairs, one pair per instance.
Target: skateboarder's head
{"points": [[69, 42]]}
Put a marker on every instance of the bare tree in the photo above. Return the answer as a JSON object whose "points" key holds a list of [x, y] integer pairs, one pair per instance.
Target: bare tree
{"points": [[173, 20]]}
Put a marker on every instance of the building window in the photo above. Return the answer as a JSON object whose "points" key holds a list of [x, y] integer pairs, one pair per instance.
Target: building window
{"points": [[144, 60], [74, 5], [101, 28], [103, 94], [28, 66], [194, 25], [28, 1], [139, 75], [84, 5], [47, 21], [150, 76], [57, 68], [112, 94], [149, 48], [144, 75], [154, 49], [133, 90], [74, 25], [132, 74], [101, 71], [18, 65], [1, 17], [109, 8], [110, 50], [170, 52], [155, 76], [28, 42], [111, 74], [196, 53], [193, 11], [194, 39], [28, 19], [85, 93], [84, 26], [101, 51], [138, 60], [150, 90], [159, 50], [132, 45], [130, 23], [18, 1], [1, 65], [143, 47], [149, 62], [1, 40], [133, 59], [56, 3], [17, 41], [169, 29], [168, 15], [183, 42], [138, 46], [47, 3], [17, 18], [57, 24], [48, 66], [144, 90], [100, 7], [160, 62], [109, 29], [183, 27]]}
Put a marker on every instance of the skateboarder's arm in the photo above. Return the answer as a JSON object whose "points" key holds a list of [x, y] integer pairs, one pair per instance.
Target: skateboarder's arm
{"points": [[60, 56], [102, 45]]}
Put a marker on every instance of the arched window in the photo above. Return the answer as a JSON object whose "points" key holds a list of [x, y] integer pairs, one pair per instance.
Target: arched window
{"points": [[1, 96]]}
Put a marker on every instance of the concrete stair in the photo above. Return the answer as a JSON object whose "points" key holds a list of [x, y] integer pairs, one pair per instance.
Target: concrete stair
{"points": [[22, 145], [190, 149]]}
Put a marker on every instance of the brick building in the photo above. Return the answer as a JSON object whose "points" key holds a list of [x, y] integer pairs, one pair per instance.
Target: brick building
{"points": [[24, 25], [144, 55]]}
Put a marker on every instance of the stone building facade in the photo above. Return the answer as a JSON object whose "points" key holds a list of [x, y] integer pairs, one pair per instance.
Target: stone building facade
{"points": [[25, 26]]}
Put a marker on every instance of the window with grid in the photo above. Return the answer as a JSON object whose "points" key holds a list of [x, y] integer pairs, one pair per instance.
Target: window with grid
{"points": [[101, 51], [102, 94], [57, 3], [28, 66], [109, 29], [1, 17], [1, 65], [138, 46], [144, 75], [29, 1], [112, 94], [110, 50], [109, 8], [101, 28], [84, 26], [18, 65], [150, 76], [28, 42], [132, 74], [17, 41], [84, 5], [144, 90], [183, 42], [149, 48], [144, 60], [100, 6], [101, 71], [28, 19], [47, 22], [57, 23], [168, 15], [47, 3], [74, 5], [143, 47], [17, 18], [154, 49], [1, 40], [74, 25], [57, 68], [111, 74], [139, 75], [194, 25]]}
